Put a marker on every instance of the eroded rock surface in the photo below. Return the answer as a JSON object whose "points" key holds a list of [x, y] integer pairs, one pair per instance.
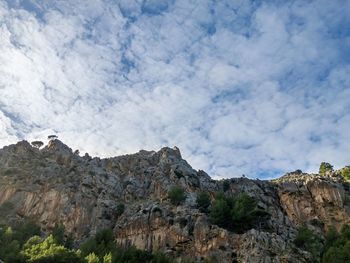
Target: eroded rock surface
{"points": [[56, 186]]}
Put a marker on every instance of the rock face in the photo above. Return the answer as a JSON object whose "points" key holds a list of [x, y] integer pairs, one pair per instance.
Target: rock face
{"points": [[56, 186], [315, 200]]}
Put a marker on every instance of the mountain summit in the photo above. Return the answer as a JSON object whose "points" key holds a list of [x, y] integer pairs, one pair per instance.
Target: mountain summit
{"points": [[155, 200]]}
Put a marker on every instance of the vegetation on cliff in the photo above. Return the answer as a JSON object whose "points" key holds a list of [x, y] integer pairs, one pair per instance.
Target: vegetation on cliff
{"points": [[337, 246], [149, 198], [176, 195], [334, 249], [203, 201], [307, 240], [325, 168], [345, 172], [237, 214], [24, 243]]}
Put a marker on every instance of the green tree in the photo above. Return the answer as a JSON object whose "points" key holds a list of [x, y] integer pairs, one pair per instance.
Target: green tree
{"points": [[120, 209], [220, 213], [337, 254], [36, 250], [203, 201], [101, 244], [309, 241], [92, 258], [226, 185], [158, 257], [236, 214], [20, 245], [345, 172], [26, 230], [10, 252], [244, 211], [176, 195], [325, 167], [132, 255], [58, 234], [331, 236], [12, 240], [37, 144], [107, 258]]}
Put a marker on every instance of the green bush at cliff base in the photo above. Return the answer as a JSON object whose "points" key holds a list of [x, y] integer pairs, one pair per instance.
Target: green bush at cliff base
{"points": [[309, 241], [37, 250], [22, 244], [103, 249], [337, 246], [13, 238]]}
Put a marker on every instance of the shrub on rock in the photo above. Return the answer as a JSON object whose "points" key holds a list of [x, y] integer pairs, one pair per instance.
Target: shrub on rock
{"points": [[176, 195]]}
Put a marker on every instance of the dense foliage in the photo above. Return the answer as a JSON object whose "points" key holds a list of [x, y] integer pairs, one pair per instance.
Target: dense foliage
{"points": [[47, 250], [337, 246], [203, 201], [24, 244], [12, 241], [176, 195], [325, 167], [237, 214], [345, 172], [120, 209], [309, 241]]}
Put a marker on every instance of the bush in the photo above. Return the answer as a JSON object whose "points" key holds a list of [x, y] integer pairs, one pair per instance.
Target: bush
{"points": [[6, 208], [25, 231], [101, 244], [37, 144], [244, 211], [325, 168], [226, 185], [331, 237], [107, 258], [337, 248], [203, 201], [47, 251], [345, 172], [309, 241], [120, 209], [58, 234], [220, 213], [92, 258], [12, 240], [236, 214], [176, 195], [23, 245], [133, 255]]}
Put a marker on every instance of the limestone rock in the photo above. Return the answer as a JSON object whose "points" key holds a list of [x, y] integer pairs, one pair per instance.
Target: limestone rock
{"points": [[55, 186]]}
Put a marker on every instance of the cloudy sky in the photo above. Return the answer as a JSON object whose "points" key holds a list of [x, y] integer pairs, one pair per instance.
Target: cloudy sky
{"points": [[241, 87]]}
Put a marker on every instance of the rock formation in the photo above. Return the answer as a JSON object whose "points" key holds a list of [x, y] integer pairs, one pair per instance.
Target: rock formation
{"points": [[56, 186]]}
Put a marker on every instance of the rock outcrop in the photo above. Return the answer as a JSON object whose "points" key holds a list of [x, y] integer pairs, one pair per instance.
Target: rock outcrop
{"points": [[56, 186]]}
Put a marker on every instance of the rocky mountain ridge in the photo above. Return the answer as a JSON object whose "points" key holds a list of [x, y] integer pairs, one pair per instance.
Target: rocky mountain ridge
{"points": [[55, 185]]}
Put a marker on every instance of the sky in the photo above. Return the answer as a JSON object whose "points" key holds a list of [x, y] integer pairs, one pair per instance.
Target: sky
{"points": [[258, 88]]}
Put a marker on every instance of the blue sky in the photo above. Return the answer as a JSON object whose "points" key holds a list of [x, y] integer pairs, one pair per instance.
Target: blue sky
{"points": [[241, 87]]}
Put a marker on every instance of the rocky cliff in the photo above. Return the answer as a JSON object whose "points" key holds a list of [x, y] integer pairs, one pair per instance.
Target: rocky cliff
{"points": [[56, 186]]}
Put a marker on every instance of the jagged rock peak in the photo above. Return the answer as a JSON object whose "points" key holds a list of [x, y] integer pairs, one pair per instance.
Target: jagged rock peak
{"points": [[19, 147], [167, 152], [58, 146]]}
